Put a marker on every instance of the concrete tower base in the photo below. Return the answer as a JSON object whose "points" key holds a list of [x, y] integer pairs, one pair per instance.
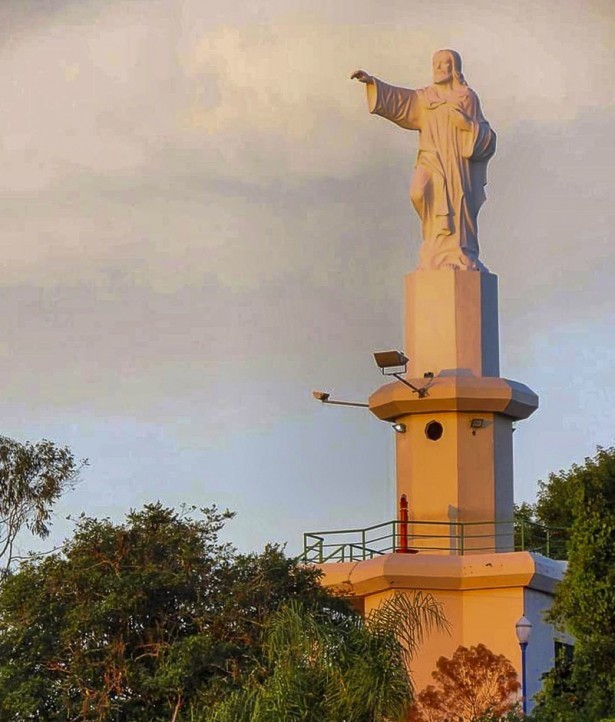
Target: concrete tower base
{"points": [[455, 468], [482, 595]]}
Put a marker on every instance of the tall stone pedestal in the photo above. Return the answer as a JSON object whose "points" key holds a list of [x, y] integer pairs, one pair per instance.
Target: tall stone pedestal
{"points": [[454, 461], [451, 323]]}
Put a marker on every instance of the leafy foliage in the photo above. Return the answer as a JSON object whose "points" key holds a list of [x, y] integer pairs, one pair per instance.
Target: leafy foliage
{"points": [[140, 621], [585, 601], [513, 715], [554, 510], [555, 500], [338, 668], [32, 479], [558, 701], [155, 619], [475, 684], [528, 531], [537, 533]]}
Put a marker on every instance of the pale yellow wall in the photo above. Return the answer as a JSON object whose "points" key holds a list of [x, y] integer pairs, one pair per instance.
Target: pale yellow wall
{"points": [[430, 314], [486, 616], [490, 616], [427, 470], [475, 468], [458, 477]]}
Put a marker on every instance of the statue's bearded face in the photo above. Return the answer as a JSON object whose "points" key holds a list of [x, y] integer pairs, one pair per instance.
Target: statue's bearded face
{"points": [[442, 68]]}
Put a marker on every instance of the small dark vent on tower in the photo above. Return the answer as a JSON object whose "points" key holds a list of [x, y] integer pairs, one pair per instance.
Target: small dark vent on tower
{"points": [[434, 430]]}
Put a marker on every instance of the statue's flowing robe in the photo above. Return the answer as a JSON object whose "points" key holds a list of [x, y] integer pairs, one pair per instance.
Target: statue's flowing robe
{"points": [[447, 188]]}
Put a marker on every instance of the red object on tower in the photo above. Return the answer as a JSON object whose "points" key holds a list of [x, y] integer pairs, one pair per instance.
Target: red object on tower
{"points": [[403, 525]]}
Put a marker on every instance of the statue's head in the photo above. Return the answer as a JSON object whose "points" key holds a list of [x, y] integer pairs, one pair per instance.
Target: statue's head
{"points": [[447, 67]]}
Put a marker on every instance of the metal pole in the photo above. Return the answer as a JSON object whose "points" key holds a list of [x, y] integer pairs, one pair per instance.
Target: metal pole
{"points": [[356, 404], [523, 646], [421, 392]]}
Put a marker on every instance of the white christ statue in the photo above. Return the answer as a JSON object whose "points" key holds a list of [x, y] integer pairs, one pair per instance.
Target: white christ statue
{"points": [[455, 144]]}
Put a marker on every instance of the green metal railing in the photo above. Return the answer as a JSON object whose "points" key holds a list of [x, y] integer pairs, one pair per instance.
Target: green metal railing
{"points": [[428, 537]]}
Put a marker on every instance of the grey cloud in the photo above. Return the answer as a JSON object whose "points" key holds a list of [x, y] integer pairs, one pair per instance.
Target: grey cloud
{"points": [[194, 258], [190, 267]]}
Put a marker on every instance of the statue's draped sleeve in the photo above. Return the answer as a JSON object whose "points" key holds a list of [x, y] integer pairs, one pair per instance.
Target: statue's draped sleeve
{"points": [[480, 141], [478, 147], [400, 105]]}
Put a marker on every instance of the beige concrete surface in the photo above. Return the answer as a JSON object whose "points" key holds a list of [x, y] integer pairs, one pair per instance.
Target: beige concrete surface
{"points": [[465, 475], [451, 323], [482, 597], [454, 393]]}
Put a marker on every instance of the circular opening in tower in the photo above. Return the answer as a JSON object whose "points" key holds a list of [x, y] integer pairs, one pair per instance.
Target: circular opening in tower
{"points": [[434, 430]]}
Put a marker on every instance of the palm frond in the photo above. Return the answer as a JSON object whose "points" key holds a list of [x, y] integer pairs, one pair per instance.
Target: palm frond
{"points": [[410, 617]]}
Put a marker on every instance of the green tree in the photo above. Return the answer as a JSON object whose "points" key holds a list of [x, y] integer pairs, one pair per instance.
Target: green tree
{"points": [[32, 479], [555, 500], [137, 621], [155, 619], [528, 531], [585, 600], [535, 531], [335, 668]]}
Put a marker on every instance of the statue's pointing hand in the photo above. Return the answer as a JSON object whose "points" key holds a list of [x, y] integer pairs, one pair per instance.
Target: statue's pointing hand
{"points": [[362, 77]]}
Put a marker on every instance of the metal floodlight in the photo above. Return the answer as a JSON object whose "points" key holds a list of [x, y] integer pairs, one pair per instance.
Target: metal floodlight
{"points": [[390, 360], [324, 398], [399, 428], [394, 363], [477, 423]]}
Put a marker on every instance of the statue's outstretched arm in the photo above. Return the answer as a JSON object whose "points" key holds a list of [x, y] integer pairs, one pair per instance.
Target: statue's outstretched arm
{"points": [[392, 103]]}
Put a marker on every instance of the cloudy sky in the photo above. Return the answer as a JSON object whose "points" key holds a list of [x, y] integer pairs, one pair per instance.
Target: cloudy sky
{"points": [[200, 223]]}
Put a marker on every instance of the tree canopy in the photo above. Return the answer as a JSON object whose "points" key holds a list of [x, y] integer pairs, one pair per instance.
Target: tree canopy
{"points": [[156, 619], [324, 668], [32, 479], [545, 526], [133, 620], [585, 600]]}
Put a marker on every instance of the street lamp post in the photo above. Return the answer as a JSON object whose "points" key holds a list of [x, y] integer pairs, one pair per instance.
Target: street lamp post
{"points": [[523, 629]]}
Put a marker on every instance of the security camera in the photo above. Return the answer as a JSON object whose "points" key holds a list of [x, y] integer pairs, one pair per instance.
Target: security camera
{"points": [[321, 396]]}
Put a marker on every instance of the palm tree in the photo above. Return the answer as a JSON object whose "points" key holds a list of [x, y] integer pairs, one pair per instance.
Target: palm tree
{"points": [[322, 665]]}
